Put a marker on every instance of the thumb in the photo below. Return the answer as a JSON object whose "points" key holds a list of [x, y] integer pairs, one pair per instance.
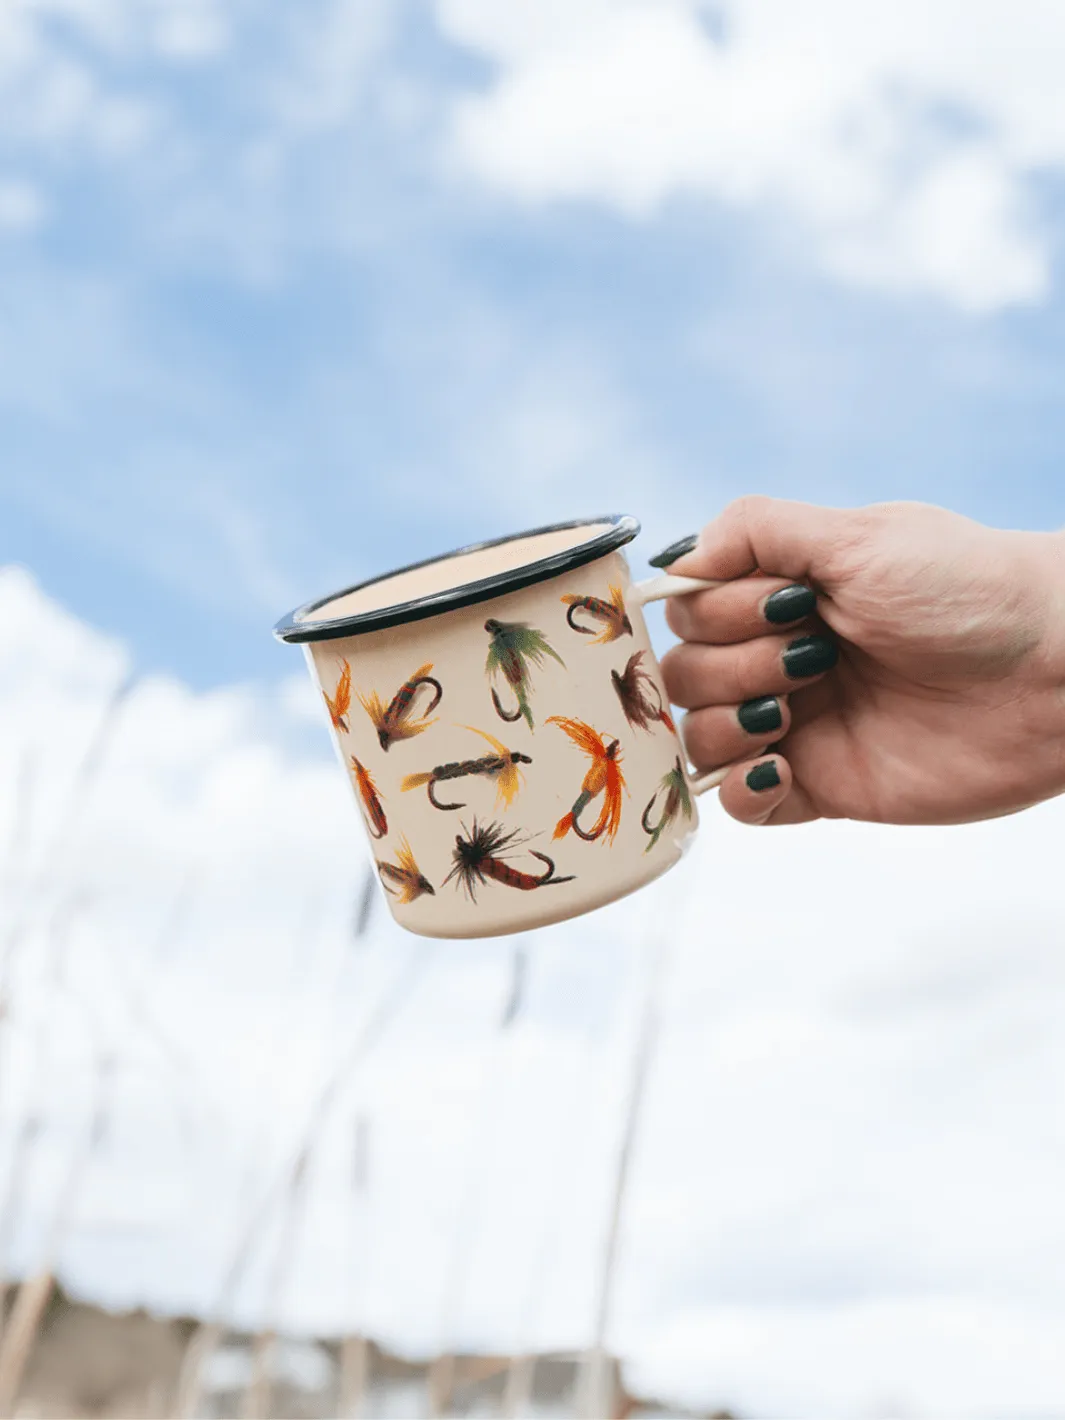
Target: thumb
{"points": [[777, 538]]}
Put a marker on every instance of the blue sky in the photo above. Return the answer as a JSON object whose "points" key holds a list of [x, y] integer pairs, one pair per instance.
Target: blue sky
{"points": [[265, 331], [292, 295]]}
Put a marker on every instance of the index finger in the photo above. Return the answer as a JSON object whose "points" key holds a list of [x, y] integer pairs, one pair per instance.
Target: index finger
{"points": [[794, 541]]}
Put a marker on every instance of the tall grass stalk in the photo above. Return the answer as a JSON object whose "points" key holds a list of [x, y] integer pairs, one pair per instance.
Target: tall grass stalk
{"points": [[281, 1188], [354, 1375], [34, 1293], [19, 1168], [33, 1110], [595, 1397], [441, 1378], [56, 851]]}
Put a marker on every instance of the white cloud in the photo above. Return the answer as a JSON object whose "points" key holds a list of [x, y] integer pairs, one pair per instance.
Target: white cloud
{"points": [[53, 96], [847, 1190], [899, 146]]}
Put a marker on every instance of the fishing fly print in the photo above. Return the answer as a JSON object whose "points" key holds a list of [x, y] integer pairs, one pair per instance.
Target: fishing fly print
{"points": [[479, 857], [604, 777], [611, 614], [641, 699], [677, 799], [500, 767], [513, 648], [405, 873], [400, 720], [339, 703], [373, 809]]}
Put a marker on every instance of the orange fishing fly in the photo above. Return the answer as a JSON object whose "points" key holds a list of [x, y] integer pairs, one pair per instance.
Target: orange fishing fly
{"points": [[371, 800], [340, 702], [604, 777]]}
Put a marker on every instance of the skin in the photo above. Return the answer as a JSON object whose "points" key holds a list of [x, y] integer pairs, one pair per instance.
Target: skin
{"points": [[948, 701]]}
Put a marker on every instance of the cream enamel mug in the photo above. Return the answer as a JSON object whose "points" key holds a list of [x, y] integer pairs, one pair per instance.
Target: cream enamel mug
{"points": [[501, 718]]}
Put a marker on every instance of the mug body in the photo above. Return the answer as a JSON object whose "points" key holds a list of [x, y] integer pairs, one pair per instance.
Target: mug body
{"points": [[513, 758]]}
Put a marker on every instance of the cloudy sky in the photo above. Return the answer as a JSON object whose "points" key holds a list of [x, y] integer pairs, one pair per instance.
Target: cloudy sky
{"points": [[289, 298]]}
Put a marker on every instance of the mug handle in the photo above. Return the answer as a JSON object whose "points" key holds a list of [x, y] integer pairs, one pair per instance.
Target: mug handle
{"points": [[656, 589]]}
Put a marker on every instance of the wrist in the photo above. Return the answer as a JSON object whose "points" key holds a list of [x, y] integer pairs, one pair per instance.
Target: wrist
{"points": [[1052, 570], [1050, 689]]}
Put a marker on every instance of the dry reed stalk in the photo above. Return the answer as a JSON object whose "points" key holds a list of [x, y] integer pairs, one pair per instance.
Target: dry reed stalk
{"points": [[518, 1388], [440, 1384], [354, 1375], [20, 1334], [353, 1371], [367, 903], [260, 1389], [182, 1067], [32, 1298], [85, 777], [33, 1112], [18, 1171], [22, 801], [78, 795], [259, 1394], [595, 1387], [200, 1346], [283, 1185], [442, 1368], [21, 816]]}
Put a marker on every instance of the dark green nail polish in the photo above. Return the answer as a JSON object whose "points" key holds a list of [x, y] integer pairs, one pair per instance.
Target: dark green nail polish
{"points": [[810, 655], [763, 776], [762, 716], [674, 550], [790, 604]]}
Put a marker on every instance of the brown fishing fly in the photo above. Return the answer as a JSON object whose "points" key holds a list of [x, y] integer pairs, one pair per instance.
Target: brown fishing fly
{"points": [[640, 696], [500, 767], [611, 613], [396, 722], [406, 874]]}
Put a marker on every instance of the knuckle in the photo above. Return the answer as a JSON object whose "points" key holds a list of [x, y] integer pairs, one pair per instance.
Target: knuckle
{"points": [[754, 665], [679, 617], [697, 734], [750, 509], [853, 545], [671, 666]]}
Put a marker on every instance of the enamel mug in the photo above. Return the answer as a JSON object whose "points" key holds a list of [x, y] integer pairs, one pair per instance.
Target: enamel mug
{"points": [[500, 715]]}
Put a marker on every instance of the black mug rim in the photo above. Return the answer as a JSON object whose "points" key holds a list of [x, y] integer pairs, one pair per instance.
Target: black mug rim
{"points": [[620, 529]]}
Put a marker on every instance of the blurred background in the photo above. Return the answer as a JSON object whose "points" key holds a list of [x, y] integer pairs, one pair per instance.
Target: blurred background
{"points": [[293, 294]]}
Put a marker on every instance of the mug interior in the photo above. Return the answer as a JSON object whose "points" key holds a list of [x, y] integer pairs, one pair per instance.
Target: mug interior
{"points": [[454, 570]]}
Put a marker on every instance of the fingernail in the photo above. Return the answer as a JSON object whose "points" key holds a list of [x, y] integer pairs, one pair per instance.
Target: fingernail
{"points": [[809, 655], [674, 550], [790, 604], [762, 716], [763, 776]]}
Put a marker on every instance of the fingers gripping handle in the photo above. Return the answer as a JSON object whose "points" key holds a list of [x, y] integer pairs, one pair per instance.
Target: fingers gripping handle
{"points": [[656, 589]]}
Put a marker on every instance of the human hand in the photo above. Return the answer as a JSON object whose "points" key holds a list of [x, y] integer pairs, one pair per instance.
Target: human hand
{"points": [[947, 703]]}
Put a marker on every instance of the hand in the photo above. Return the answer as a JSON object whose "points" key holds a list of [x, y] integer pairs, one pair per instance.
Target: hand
{"points": [[947, 703]]}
